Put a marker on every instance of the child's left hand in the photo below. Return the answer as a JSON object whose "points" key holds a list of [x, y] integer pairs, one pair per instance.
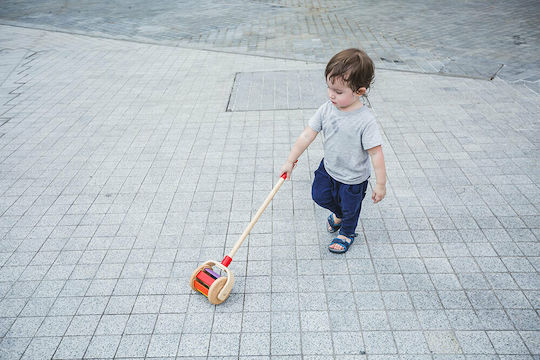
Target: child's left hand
{"points": [[379, 192]]}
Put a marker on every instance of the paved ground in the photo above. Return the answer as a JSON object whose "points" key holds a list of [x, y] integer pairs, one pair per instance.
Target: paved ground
{"points": [[121, 170], [475, 39]]}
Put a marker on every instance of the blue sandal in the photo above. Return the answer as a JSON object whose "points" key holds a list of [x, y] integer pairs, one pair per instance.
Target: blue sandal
{"points": [[341, 242], [335, 227]]}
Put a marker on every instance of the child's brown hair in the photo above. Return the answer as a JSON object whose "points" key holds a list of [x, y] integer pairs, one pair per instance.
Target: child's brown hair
{"points": [[354, 66]]}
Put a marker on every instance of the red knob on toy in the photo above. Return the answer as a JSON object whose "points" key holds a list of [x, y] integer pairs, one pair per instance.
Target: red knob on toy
{"points": [[226, 260]]}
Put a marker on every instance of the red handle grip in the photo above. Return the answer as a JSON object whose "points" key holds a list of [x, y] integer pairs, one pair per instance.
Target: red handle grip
{"points": [[226, 261]]}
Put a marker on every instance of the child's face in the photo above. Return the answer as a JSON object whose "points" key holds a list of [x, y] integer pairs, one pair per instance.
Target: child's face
{"points": [[342, 96]]}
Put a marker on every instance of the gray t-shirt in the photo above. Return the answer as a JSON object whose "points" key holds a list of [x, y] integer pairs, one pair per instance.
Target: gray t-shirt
{"points": [[347, 137]]}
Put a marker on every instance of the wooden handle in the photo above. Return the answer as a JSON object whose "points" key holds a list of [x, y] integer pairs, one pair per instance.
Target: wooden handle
{"points": [[257, 216]]}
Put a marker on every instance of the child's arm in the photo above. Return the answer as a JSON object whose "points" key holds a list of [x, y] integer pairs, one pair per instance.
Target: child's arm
{"points": [[377, 159], [304, 140]]}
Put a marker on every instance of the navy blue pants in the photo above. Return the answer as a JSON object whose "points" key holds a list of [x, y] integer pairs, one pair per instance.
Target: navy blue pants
{"points": [[343, 200]]}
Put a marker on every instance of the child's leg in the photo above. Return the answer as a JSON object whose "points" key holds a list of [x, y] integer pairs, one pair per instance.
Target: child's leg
{"points": [[351, 197], [324, 191]]}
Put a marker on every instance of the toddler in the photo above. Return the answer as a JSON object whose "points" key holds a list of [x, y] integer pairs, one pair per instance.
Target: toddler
{"points": [[351, 138]]}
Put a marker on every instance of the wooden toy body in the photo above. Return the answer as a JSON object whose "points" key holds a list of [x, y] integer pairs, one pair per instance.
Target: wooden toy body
{"points": [[215, 287]]}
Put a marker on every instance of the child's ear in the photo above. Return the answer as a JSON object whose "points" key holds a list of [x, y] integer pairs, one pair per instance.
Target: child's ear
{"points": [[361, 91]]}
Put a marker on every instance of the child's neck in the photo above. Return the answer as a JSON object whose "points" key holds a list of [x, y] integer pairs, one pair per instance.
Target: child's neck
{"points": [[354, 106]]}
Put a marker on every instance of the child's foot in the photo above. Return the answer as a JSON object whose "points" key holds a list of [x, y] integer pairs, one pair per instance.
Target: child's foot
{"points": [[334, 223], [340, 244]]}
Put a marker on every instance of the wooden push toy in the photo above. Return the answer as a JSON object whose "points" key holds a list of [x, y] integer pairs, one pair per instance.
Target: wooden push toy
{"points": [[214, 286]]}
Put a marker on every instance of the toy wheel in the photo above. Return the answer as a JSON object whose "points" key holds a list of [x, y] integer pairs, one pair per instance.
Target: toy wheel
{"points": [[215, 289], [194, 276]]}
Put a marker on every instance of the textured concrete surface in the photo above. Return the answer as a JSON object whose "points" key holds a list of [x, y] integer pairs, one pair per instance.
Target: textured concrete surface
{"points": [[122, 169], [475, 39]]}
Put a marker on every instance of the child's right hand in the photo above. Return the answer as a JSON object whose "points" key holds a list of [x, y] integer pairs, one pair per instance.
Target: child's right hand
{"points": [[379, 192], [287, 168]]}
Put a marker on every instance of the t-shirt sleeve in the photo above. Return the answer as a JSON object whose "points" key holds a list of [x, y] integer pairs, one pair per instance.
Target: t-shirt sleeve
{"points": [[316, 120], [371, 136]]}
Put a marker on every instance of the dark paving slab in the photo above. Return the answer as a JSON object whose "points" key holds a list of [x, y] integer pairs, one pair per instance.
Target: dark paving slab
{"points": [[473, 39]]}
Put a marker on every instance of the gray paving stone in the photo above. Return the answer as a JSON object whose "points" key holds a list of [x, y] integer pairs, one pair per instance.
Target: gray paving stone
{"points": [[442, 342], [72, 347], [495, 320], [285, 344], [379, 342], [194, 345], [37, 307], [140, 324], [317, 343], [133, 346], [401, 320], [464, 320], [531, 341], [224, 344], [120, 305], [316, 301], [24, 327], [455, 300], [102, 347], [355, 347], [53, 326], [163, 345], [475, 342], [314, 321], [344, 321], [507, 342], [111, 325], [369, 300], [285, 321], [13, 348], [255, 344], [41, 348], [410, 342], [92, 305], [432, 319]]}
